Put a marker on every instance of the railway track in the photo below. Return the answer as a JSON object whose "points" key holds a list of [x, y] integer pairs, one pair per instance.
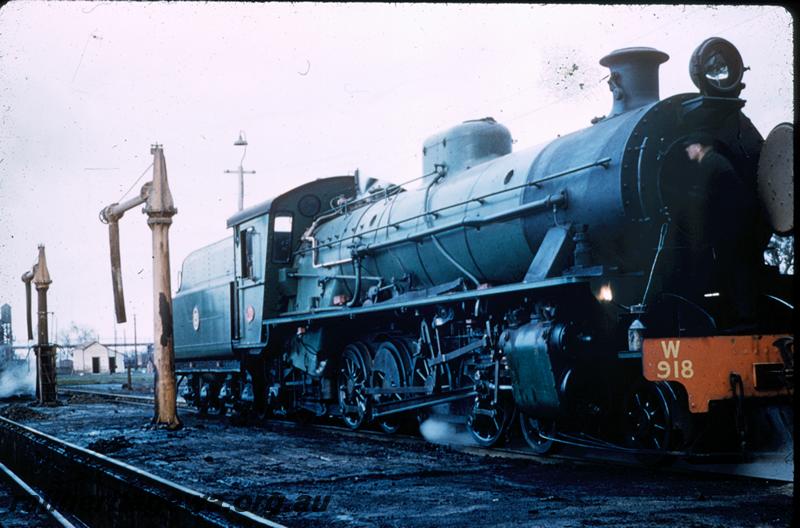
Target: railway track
{"points": [[81, 488], [771, 467], [29, 504], [137, 399]]}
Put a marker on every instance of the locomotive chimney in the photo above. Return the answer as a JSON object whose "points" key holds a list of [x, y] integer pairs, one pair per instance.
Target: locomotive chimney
{"points": [[634, 77]]}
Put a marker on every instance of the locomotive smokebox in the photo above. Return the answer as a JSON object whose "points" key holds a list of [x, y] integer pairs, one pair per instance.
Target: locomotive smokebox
{"points": [[634, 77]]}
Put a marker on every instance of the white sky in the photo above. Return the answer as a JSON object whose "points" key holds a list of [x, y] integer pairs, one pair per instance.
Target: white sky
{"points": [[86, 87]]}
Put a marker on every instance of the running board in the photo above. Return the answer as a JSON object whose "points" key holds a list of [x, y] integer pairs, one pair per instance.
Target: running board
{"points": [[411, 404]]}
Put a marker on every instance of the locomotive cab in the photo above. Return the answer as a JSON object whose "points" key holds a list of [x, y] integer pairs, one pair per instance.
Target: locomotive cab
{"points": [[266, 237], [251, 245]]}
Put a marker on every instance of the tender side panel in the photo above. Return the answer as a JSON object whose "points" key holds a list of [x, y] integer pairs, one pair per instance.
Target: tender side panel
{"points": [[202, 306], [704, 365]]}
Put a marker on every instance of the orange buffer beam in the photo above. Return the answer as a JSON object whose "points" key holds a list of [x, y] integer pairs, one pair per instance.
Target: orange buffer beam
{"points": [[704, 364]]}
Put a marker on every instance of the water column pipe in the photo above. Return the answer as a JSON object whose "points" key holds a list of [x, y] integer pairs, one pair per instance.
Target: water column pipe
{"points": [[46, 393], [159, 208]]}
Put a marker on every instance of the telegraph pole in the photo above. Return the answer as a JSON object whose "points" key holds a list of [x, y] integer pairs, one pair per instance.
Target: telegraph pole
{"points": [[241, 142]]}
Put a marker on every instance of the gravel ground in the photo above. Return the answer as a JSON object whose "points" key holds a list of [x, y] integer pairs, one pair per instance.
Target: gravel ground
{"points": [[305, 476]]}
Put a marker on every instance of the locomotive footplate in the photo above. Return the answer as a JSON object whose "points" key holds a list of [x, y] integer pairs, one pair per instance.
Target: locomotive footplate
{"points": [[318, 314]]}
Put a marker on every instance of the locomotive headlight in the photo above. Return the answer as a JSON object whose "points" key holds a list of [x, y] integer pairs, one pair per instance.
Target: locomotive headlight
{"points": [[716, 68], [605, 294]]}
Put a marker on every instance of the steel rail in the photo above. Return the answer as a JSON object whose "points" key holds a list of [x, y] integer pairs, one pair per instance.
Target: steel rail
{"points": [[137, 399], [36, 497], [97, 489]]}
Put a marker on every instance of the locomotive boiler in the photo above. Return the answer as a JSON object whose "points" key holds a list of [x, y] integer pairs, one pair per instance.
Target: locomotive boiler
{"points": [[574, 284]]}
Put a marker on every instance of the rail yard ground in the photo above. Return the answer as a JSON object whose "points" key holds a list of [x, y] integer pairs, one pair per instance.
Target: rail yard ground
{"points": [[301, 475]]}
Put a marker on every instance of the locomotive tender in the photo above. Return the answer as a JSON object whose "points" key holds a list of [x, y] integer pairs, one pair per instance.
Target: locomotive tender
{"points": [[572, 284]]}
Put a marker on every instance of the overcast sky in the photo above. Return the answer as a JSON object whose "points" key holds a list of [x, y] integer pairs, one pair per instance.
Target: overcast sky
{"points": [[318, 89]]}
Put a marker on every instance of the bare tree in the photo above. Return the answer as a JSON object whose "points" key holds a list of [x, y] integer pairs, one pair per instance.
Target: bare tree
{"points": [[76, 334]]}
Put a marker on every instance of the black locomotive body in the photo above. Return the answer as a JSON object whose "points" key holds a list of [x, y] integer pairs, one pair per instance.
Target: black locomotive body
{"points": [[568, 284]]}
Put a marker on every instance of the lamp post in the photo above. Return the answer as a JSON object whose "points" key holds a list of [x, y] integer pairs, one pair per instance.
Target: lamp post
{"points": [[241, 142]]}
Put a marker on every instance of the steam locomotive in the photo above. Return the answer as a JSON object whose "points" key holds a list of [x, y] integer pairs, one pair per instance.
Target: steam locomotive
{"points": [[574, 284]]}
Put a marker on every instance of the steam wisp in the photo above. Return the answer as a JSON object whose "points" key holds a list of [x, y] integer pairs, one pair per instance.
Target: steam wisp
{"points": [[438, 431], [17, 378]]}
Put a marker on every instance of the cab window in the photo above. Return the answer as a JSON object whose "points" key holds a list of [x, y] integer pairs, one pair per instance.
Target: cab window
{"points": [[246, 249], [282, 247]]}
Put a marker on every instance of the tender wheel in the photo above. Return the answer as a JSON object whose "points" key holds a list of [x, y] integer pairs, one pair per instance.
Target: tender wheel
{"points": [[649, 420], [217, 408], [208, 402], [202, 399], [262, 413], [488, 421], [534, 430], [261, 410], [353, 378]]}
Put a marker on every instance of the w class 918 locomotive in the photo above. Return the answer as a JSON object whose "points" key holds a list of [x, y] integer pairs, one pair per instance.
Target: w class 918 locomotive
{"points": [[578, 284]]}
